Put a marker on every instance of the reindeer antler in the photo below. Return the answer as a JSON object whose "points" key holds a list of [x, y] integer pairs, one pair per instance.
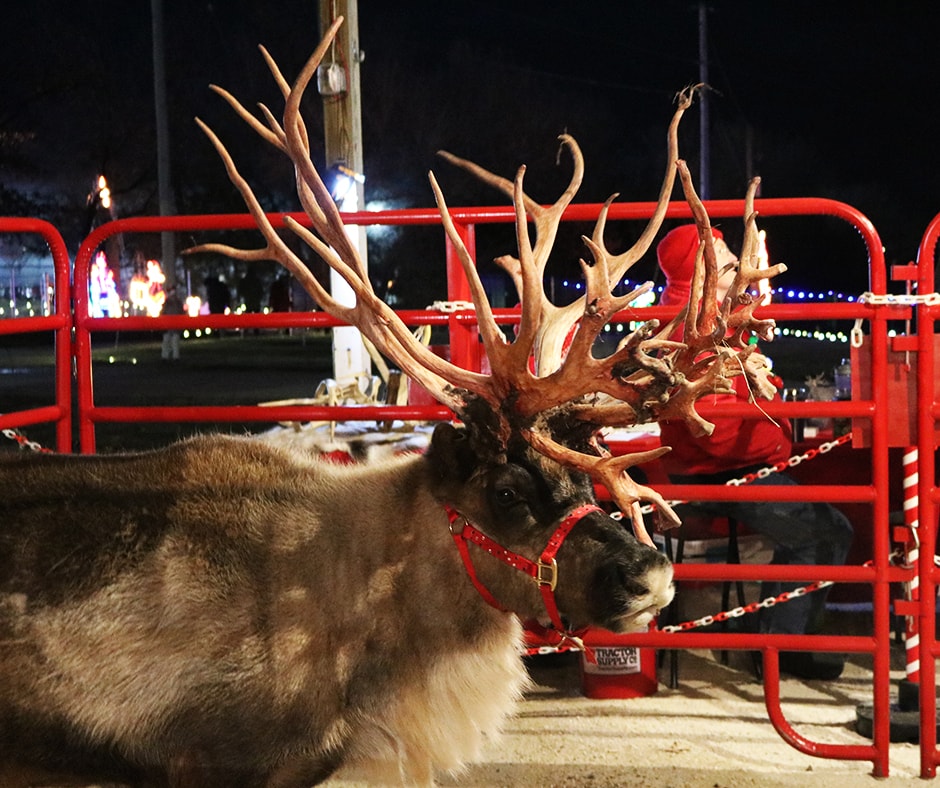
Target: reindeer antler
{"points": [[714, 337], [648, 376]]}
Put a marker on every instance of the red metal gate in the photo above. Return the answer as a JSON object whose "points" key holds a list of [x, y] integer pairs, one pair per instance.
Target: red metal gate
{"points": [[60, 323]]}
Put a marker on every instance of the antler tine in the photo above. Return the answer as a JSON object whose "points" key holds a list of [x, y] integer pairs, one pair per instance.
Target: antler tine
{"points": [[504, 185], [739, 305], [494, 342], [282, 84], [331, 226], [621, 263], [612, 473], [272, 132], [703, 324], [528, 270], [546, 218]]}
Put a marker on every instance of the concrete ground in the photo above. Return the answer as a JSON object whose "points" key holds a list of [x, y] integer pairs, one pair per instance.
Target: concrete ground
{"points": [[710, 732]]}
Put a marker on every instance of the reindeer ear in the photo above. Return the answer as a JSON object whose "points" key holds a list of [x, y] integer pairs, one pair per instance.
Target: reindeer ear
{"points": [[451, 453]]}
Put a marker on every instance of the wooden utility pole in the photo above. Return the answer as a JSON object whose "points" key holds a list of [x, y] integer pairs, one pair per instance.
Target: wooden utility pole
{"points": [[338, 84]]}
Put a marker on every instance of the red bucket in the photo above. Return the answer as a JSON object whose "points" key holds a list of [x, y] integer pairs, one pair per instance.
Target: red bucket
{"points": [[619, 672]]}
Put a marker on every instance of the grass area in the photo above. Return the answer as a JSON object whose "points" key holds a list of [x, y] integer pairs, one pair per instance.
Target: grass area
{"points": [[298, 350], [295, 350], [229, 369]]}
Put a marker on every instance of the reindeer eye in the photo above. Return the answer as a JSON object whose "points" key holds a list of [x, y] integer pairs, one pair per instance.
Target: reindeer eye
{"points": [[506, 496]]}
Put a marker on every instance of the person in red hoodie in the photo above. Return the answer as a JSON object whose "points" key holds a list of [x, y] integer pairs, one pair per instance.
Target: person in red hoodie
{"points": [[803, 533]]}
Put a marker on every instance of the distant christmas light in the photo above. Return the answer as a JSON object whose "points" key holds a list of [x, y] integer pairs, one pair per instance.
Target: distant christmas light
{"points": [[778, 294], [837, 337], [193, 305], [102, 289], [146, 290]]}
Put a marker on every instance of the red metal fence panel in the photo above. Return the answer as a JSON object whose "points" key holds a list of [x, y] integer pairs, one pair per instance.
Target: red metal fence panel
{"points": [[872, 494], [60, 323], [928, 410]]}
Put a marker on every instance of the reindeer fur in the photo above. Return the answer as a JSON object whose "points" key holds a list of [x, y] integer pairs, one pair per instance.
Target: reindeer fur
{"points": [[225, 612]]}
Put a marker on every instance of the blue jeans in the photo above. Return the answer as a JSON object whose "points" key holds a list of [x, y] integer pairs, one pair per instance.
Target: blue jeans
{"points": [[802, 533]]}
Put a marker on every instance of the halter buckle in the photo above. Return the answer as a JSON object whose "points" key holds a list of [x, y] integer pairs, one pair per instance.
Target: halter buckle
{"points": [[547, 574]]}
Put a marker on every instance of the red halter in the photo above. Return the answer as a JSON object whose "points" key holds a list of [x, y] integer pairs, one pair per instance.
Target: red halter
{"points": [[544, 571]]}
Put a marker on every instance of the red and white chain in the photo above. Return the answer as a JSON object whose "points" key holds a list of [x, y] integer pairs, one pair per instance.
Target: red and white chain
{"points": [[889, 299], [23, 441], [754, 607], [707, 621]]}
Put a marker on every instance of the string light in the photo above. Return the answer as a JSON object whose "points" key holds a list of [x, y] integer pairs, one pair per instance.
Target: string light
{"points": [[780, 294], [839, 337]]}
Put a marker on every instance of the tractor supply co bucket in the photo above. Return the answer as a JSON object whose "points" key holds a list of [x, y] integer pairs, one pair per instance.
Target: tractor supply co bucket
{"points": [[620, 672]]}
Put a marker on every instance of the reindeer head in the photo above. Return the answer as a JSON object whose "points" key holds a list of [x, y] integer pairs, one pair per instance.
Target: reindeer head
{"points": [[528, 502], [548, 396]]}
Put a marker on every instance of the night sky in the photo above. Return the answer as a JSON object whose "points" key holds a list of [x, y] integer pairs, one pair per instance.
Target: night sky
{"points": [[827, 99]]}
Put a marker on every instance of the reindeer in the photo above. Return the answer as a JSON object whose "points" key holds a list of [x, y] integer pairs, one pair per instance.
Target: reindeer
{"points": [[226, 612]]}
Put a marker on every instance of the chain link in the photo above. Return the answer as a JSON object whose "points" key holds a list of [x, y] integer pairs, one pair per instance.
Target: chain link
{"points": [[856, 337], [706, 621], [763, 473], [447, 307], [904, 299], [23, 441], [897, 558]]}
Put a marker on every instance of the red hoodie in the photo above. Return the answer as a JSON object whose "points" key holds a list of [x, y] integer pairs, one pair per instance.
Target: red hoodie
{"points": [[735, 442]]}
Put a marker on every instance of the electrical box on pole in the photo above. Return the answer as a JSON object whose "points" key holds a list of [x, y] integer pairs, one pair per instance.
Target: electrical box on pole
{"points": [[338, 85]]}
